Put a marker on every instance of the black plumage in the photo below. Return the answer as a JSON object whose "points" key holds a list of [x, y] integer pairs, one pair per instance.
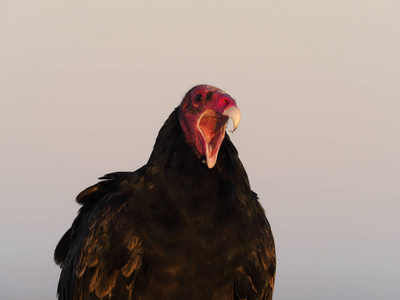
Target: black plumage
{"points": [[173, 229]]}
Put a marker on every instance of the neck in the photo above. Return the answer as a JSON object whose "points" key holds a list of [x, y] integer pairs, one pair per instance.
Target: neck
{"points": [[174, 161]]}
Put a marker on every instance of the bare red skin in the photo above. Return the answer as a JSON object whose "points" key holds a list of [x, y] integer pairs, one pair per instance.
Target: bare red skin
{"points": [[202, 121]]}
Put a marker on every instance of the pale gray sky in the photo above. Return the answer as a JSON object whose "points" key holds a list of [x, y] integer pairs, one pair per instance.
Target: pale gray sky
{"points": [[86, 85]]}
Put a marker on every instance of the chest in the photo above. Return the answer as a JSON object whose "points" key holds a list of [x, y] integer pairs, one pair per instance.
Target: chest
{"points": [[196, 259], [206, 240], [194, 244]]}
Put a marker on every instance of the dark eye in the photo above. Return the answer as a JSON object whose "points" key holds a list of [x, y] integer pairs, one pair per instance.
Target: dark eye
{"points": [[198, 98]]}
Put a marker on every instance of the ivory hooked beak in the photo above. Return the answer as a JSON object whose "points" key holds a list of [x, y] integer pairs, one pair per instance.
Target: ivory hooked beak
{"points": [[234, 114]]}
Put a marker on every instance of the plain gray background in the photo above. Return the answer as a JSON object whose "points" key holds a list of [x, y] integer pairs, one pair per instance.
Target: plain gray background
{"points": [[86, 85]]}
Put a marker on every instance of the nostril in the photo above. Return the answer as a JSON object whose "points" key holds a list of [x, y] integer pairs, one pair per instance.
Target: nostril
{"points": [[224, 101]]}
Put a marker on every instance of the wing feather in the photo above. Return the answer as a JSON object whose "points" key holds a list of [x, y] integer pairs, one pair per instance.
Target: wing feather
{"points": [[101, 251], [110, 256]]}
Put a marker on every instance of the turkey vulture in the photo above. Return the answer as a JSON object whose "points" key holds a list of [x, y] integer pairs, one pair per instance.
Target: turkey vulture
{"points": [[186, 225]]}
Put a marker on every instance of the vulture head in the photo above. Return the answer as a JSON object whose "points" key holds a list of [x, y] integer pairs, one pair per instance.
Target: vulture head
{"points": [[203, 115]]}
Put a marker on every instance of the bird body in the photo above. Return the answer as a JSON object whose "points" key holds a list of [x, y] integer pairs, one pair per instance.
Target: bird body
{"points": [[184, 226]]}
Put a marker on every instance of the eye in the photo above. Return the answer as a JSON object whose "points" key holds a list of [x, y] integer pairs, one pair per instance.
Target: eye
{"points": [[198, 98]]}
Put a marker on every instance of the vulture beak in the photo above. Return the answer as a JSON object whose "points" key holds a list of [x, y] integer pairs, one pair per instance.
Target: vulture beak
{"points": [[233, 113], [213, 138]]}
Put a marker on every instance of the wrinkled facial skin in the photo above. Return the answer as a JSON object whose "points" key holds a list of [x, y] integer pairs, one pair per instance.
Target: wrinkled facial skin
{"points": [[203, 115]]}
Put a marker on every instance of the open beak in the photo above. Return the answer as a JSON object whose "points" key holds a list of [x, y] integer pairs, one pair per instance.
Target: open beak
{"points": [[212, 126]]}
